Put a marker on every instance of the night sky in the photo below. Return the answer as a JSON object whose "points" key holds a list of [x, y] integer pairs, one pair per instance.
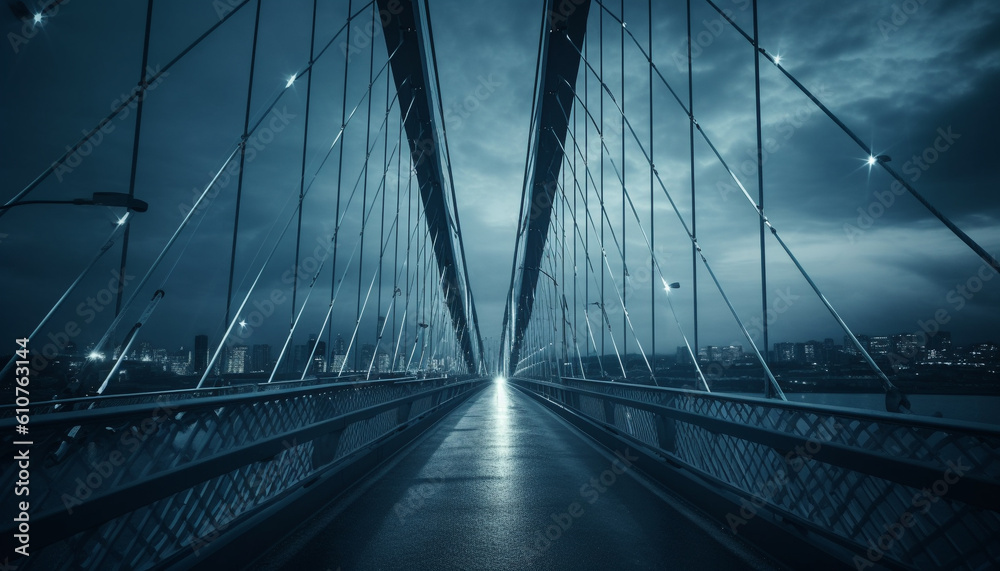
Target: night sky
{"points": [[905, 81]]}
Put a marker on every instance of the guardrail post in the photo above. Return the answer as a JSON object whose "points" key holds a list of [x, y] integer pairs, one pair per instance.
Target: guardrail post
{"points": [[666, 433], [609, 412]]}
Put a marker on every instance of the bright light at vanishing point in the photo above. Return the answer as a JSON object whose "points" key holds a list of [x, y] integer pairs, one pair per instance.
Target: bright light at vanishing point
{"points": [[499, 380], [291, 80]]}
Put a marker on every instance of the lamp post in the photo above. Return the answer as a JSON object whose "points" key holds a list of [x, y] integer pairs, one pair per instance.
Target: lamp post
{"points": [[98, 199]]}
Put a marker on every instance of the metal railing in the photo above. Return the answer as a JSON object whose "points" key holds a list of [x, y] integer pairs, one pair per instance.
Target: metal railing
{"points": [[127, 399], [886, 490], [139, 485]]}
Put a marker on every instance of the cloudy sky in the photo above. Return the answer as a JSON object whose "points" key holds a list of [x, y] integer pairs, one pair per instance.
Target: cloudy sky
{"points": [[905, 76]]}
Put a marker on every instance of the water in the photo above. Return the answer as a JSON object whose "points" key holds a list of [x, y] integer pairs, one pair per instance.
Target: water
{"points": [[972, 408]]}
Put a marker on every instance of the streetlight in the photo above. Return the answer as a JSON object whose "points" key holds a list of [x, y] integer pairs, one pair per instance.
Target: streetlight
{"points": [[98, 199]]}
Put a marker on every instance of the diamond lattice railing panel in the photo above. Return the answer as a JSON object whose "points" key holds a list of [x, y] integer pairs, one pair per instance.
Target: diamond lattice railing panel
{"points": [[82, 456], [858, 508]]}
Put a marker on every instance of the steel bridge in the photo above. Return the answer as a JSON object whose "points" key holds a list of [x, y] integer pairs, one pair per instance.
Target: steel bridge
{"points": [[410, 441]]}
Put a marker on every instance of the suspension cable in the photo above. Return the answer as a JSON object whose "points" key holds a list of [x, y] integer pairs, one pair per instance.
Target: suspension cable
{"points": [[139, 90], [684, 224], [879, 159]]}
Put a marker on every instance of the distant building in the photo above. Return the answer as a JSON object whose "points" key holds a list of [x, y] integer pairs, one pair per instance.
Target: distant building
{"points": [[711, 353], [382, 362], [731, 354], [339, 347], [905, 345], [367, 353], [179, 362], [337, 363], [200, 354], [237, 358], [683, 356], [260, 359], [784, 352], [339, 355], [983, 353], [319, 358], [938, 347], [299, 355], [880, 345], [811, 352], [851, 349]]}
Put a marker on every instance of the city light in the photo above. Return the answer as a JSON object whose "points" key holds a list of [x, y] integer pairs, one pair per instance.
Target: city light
{"points": [[95, 356]]}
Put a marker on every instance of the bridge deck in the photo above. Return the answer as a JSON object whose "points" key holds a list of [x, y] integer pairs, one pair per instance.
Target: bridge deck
{"points": [[482, 490]]}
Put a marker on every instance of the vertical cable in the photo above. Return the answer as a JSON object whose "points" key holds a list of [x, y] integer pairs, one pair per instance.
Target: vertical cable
{"points": [[381, 231], [340, 172], [243, 148], [364, 189], [135, 149], [652, 224], [694, 217], [575, 242], [625, 276], [565, 350], [291, 364], [603, 214], [760, 200], [586, 200], [395, 256]]}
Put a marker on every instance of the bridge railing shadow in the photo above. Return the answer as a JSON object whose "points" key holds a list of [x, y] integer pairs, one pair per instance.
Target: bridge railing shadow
{"points": [[140, 481], [870, 489]]}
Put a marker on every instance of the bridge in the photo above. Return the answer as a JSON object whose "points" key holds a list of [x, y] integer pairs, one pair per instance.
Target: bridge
{"points": [[258, 345]]}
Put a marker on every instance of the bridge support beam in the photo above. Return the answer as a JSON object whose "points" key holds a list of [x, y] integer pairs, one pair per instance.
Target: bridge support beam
{"points": [[405, 31], [560, 64]]}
